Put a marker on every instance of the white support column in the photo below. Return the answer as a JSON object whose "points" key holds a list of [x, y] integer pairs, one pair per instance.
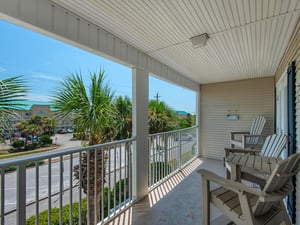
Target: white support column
{"points": [[140, 84], [198, 121]]}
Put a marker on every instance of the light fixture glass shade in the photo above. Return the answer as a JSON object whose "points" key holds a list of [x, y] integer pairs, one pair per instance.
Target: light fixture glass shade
{"points": [[200, 40]]}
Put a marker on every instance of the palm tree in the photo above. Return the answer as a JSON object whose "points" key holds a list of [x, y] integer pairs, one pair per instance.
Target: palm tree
{"points": [[160, 117], [93, 112], [123, 109], [12, 93]]}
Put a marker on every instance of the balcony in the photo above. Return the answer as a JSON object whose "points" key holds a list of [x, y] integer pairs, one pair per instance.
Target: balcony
{"points": [[50, 184]]}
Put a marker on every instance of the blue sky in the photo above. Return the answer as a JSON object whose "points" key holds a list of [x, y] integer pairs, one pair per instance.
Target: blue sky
{"points": [[44, 62]]}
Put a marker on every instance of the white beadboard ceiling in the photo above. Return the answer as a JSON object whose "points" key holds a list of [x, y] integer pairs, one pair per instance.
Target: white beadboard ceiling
{"points": [[247, 37]]}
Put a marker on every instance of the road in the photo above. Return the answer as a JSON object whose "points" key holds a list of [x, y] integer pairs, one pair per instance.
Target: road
{"points": [[65, 141]]}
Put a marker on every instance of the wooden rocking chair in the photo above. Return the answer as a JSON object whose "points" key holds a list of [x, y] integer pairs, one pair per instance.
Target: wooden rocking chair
{"points": [[250, 138], [250, 206]]}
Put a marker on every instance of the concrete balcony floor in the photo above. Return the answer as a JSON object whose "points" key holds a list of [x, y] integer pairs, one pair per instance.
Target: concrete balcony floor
{"points": [[177, 201]]}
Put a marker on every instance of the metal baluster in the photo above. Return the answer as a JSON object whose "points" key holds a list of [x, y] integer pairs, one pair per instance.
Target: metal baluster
{"points": [[102, 184], [80, 189], [37, 182], [166, 156], [180, 143], [21, 194], [71, 190], [61, 189], [125, 171], [109, 180], [120, 176], [2, 196], [88, 188], [49, 191], [95, 185], [115, 178]]}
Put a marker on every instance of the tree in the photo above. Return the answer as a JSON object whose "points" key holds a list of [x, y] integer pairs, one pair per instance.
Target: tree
{"points": [[93, 112], [161, 117], [37, 125], [12, 95], [123, 126], [185, 122]]}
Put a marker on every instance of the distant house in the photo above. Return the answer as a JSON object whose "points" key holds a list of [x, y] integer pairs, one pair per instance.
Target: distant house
{"points": [[180, 113], [31, 108]]}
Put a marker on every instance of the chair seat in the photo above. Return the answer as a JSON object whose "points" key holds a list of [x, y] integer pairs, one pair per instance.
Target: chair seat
{"points": [[230, 200]]}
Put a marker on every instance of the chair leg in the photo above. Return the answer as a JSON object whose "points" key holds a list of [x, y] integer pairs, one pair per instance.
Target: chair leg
{"points": [[206, 202], [286, 217]]}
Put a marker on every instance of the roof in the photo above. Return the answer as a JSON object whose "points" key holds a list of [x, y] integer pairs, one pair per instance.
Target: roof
{"points": [[29, 103], [180, 112]]}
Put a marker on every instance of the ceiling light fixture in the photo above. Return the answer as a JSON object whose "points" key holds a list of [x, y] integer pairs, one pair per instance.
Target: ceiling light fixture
{"points": [[199, 40]]}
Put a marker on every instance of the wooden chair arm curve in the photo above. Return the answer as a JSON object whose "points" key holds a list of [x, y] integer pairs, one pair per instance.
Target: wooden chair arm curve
{"points": [[239, 132], [244, 151], [230, 184]]}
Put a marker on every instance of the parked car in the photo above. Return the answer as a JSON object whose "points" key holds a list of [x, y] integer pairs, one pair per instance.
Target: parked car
{"points": [[7, 136], [33, 138], [70, 130], [62, 131], [18, 136]]}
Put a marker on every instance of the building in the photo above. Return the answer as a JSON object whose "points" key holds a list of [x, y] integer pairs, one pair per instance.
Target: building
{"points": [[32, 108]]}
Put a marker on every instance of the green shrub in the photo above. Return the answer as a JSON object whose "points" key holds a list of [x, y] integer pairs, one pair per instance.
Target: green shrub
{"points": [[43, 216], [28, 165], [18, 144], [118, 189], [45, 140], [158, 171], [31, 145]]}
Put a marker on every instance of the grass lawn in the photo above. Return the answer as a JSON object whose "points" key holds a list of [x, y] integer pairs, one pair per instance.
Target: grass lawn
{"points": [[39, 150]]}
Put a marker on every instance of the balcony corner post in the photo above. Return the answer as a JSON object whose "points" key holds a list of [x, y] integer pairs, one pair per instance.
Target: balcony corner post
{"points": [[140, 156], [21, 195]]}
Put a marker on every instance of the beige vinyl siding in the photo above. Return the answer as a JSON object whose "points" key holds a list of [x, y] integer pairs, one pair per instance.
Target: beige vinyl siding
{"points": [[247, 98]]}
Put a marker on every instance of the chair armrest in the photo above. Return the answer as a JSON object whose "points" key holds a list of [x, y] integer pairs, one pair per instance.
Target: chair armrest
{"points": [[244, 151], [230, 184], [239, 187], [279, 195], [252, 135], [239, 132]]}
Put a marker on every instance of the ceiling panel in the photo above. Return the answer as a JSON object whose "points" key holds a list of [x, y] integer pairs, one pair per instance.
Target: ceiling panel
{"points": [[247, 37]]}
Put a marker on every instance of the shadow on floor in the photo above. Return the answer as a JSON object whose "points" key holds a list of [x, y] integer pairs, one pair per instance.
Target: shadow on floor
{"points": [[177, 201]]}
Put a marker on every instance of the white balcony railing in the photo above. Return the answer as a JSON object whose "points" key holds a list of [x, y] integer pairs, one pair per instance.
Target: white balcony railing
{"points": [[50, 184], [169, 151]]}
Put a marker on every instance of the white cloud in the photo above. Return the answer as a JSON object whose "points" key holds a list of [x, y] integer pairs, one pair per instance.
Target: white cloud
{"points": [[2, 69], [46, 77], [38, 97]]}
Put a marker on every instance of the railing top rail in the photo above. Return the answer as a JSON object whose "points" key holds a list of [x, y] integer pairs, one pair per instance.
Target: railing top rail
{"points": [[57, 153], [172, 131]]}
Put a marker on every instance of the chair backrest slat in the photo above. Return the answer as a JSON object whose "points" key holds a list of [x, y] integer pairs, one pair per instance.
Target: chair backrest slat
{"points": [[274, 145], [256, 128], [278, 181]]}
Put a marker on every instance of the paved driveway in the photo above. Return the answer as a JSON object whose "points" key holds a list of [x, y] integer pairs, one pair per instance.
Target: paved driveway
{"points": [[65, 141]]}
